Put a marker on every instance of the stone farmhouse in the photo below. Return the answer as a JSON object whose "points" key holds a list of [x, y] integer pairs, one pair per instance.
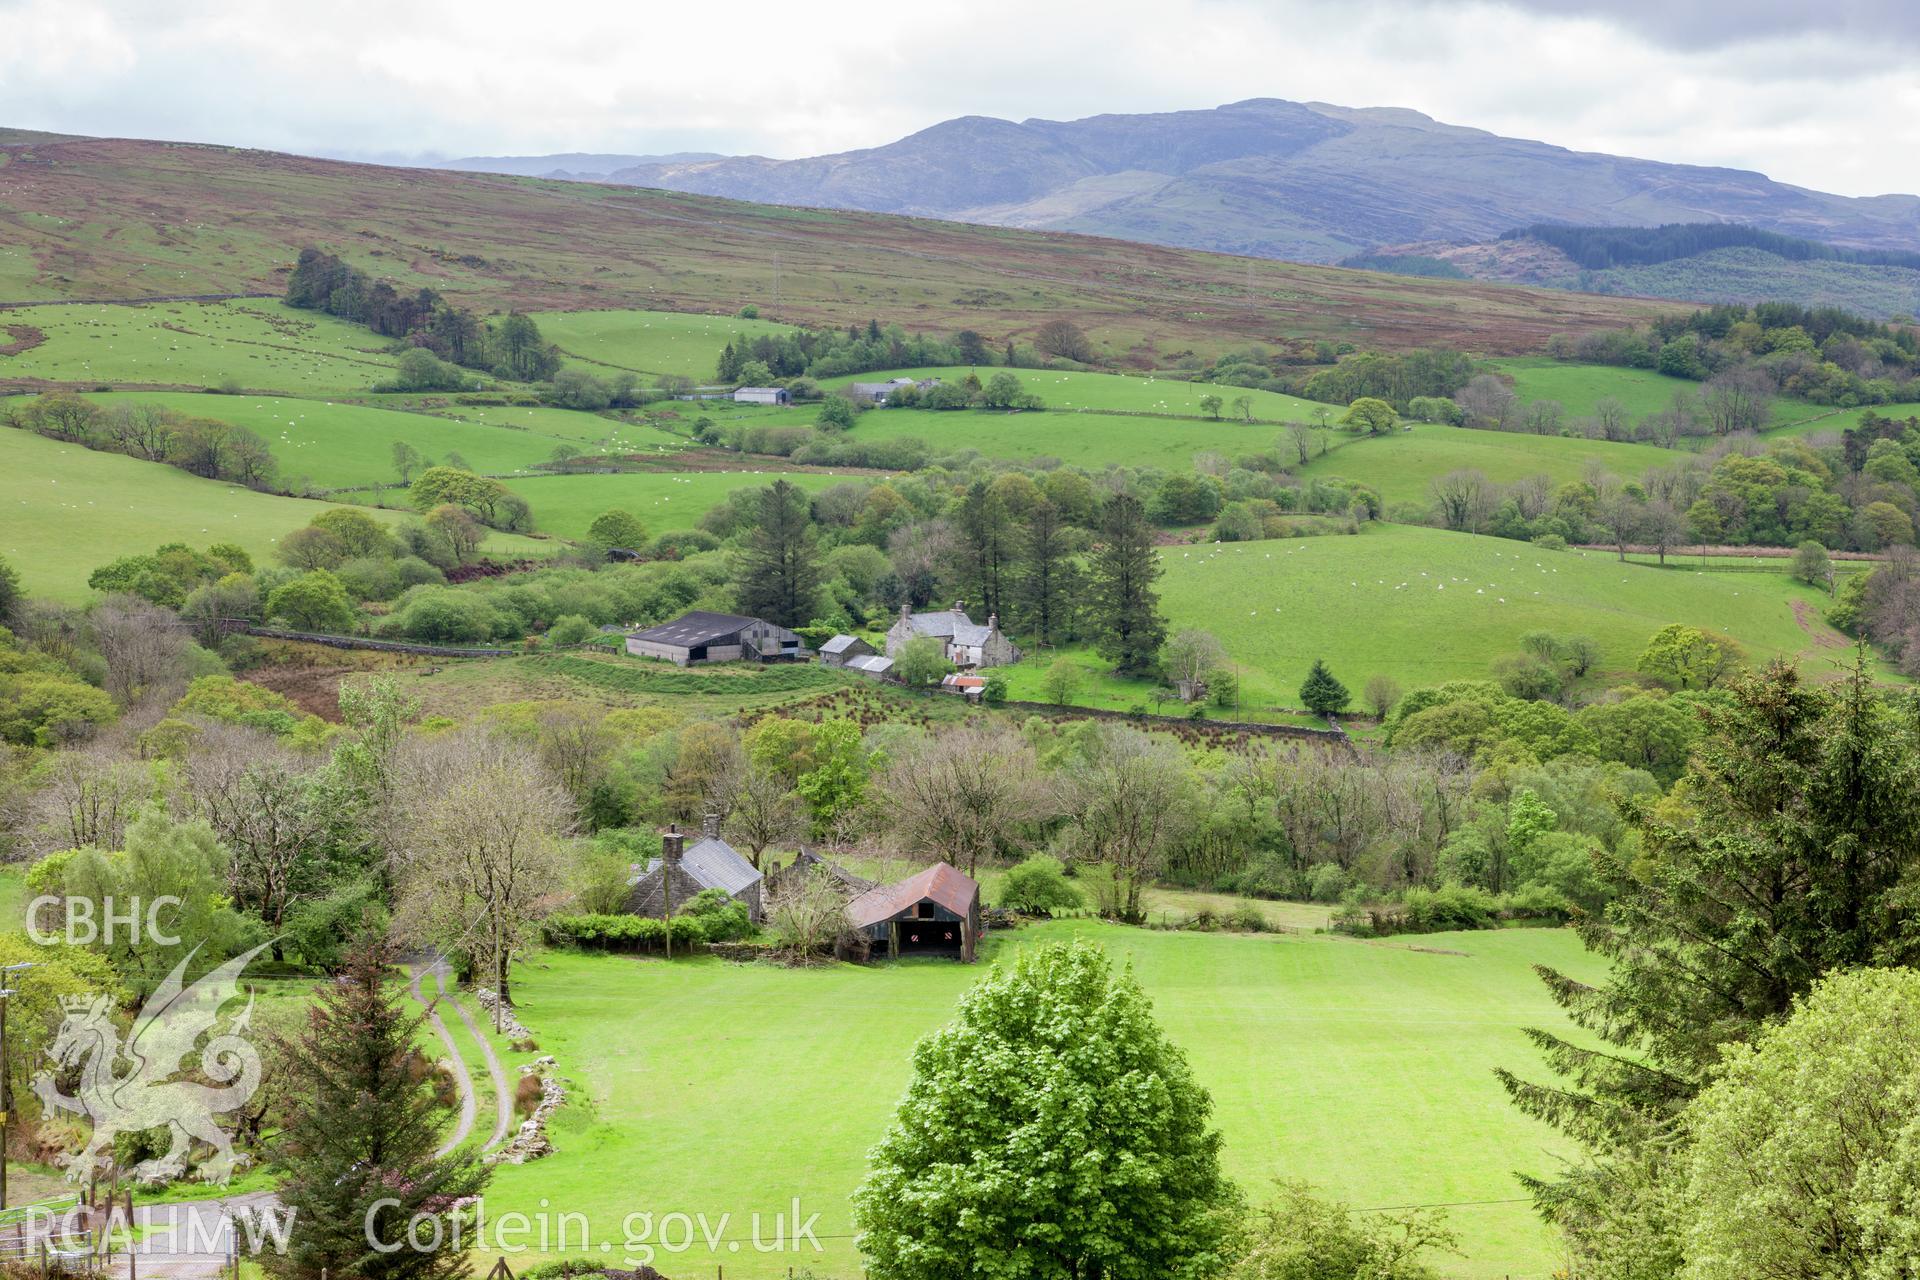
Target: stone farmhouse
{"points": [[701, 636], [670, 881], [968, 645]]}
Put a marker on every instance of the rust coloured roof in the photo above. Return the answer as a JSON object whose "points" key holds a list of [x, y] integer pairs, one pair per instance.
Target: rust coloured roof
{"points": [[939, 883]]}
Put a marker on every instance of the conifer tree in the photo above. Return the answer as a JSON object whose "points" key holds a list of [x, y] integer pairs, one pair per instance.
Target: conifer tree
{"points": [[363, 1127], [1323, 694], [1048, 582], [1124, 607], [780, 563]]}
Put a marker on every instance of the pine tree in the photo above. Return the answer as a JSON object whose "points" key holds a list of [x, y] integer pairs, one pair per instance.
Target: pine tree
{"points": [[1124, 607], [1322, 694], [1789, 852], [780, 563], [1048, 582], [363, 1127], [987, 534]]}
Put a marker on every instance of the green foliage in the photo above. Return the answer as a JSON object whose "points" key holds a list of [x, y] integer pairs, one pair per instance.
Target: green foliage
{"points": [[314, 601], [1039, 887], [1370, 416], [622, 932], [1123, 606], [621, 529], [922, 661], [1684, 657], [1806, 1148], [167, 574], [418, 369], [836, 786], [779, 570], [1050, 1129], [1297, 1235], [162, 858], [1322, 693]]}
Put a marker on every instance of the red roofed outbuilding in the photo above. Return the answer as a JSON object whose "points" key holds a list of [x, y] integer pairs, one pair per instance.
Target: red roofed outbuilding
{"points": [[936, 912]]}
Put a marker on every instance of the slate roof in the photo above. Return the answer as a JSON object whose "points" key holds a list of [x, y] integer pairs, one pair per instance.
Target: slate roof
{"points": [[690, 630], [714, 865], [839, 644], [939, 883], [871, 662]]}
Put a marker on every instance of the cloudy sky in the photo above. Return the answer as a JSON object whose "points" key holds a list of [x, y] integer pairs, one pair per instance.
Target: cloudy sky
{"points": [[1822, 95]]}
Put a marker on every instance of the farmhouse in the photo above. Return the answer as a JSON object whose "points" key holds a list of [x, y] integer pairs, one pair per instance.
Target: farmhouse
{"points": [[761, 395], [670, 881], [881, 392], [836, 652], [967, 644], [936, 912], [715, 637]]}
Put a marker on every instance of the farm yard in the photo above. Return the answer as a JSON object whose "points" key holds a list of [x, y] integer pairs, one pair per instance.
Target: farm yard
{"points": [[776, 1081]]}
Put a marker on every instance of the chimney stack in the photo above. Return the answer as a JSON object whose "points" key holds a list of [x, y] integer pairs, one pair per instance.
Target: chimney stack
{"points": [[710, 827], [672, 842], [993, 624], [959, 606]]}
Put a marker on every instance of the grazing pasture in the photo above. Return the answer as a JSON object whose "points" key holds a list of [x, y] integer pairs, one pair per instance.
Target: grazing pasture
{"points": [[1425, 606], [1578, 387], [1402, 465], [1070, 390], [258, 343], [65, 511], [1365, 1068], [649, 342], [566, 505]]}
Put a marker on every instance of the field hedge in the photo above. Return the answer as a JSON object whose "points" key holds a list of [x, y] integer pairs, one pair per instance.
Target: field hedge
{"points": [[620, 932]]}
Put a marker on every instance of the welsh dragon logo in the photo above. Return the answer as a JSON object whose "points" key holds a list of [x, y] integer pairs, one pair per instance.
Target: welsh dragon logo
{"points": [[128, 1086]]}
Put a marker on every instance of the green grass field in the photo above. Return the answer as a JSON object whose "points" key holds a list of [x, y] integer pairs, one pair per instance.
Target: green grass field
{"points": [[1402, 465], [1425, 606], [566, 505], [718, 1088], [70, 510], [1579, 386], [263, 344], [651, 342], [1064, 390], [341, 445], [1834, 421]]}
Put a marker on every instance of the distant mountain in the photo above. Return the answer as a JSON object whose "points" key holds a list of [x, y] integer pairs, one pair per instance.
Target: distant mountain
{"points": [[584, 165], [1303, 181], [1713, 263]]}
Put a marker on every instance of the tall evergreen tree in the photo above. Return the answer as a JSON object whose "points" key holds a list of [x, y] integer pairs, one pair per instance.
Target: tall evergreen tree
{"points": [[1048, 582], [988, 535], [1322, 693], [363, 1127], [780, 563], [1791, 849], [1123, 606]]}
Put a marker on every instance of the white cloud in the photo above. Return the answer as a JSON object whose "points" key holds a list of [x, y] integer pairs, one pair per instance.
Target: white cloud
{"points": [[1833, 106]]}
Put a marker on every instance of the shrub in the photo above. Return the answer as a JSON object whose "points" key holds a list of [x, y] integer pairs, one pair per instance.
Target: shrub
{"points": [[1327, 882], [620, 932], [570, 629], [1039, 886]]}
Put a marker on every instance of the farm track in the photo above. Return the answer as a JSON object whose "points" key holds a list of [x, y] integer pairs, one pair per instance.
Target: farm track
{"points": [[463, 1127]]}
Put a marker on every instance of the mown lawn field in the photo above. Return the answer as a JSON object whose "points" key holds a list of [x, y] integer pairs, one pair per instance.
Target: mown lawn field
{"points": [[566, 505], [260, 343], [65, 511], [1578, 387], [649, 342], [1425, 606], [707, 1087], [1402, 465]]}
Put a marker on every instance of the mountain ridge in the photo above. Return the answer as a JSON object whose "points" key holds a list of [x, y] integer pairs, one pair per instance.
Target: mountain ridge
{"points": [[1309, 181]]}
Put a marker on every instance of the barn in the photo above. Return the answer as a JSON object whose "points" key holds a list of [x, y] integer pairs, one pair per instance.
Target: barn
{"points": [[936, 912], [701, 636]]}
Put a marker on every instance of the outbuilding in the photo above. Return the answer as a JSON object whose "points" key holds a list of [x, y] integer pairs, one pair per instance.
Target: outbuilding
{"points": [[837, 651], [761, 395], [701, 636], [936, 912]]}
